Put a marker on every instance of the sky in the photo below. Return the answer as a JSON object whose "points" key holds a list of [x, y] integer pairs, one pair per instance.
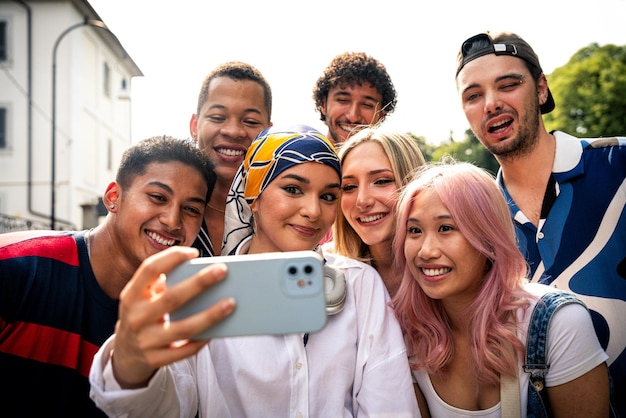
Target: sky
{"points": [[175, 44]]}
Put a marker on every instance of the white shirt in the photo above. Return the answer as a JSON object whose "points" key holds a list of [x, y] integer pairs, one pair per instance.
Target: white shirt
{"points": [[572, 351], [355, 366]]}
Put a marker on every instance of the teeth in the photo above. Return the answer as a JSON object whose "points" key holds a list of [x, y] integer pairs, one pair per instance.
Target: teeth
{"points": [[497, 125], [230, 152], [350, 128], [367, 219], [435, 272], [161, 240]]}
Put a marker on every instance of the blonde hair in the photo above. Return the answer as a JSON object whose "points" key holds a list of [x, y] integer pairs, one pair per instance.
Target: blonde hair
{"points": [[404, 156]]}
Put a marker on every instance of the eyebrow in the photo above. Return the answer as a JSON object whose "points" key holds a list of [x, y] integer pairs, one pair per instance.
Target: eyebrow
{"points": [[343, 92], [515, 76], [307, 181], [170, 191], [247, 110], [438, 218], [371, 172]]}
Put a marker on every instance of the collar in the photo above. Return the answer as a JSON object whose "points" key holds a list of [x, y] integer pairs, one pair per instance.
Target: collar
{"points": [[568, 162], [244, 246]]}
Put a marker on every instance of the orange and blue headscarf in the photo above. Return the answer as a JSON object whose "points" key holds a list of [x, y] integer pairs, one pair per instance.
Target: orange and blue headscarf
{"points": [[272, 152]]}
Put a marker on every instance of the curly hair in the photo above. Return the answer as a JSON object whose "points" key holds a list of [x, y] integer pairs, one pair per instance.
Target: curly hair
{"points": [[352, 68], [239, 71]]}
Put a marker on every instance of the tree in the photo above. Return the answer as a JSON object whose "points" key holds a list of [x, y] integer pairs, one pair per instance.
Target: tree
{"points": [[427, 149], [590, 93], [470, 150]]}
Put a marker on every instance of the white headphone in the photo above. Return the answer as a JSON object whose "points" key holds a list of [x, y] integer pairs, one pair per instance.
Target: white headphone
{"points": [[335, 289]]}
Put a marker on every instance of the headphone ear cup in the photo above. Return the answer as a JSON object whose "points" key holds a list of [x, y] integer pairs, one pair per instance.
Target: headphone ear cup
{"points": [[335, 289]]}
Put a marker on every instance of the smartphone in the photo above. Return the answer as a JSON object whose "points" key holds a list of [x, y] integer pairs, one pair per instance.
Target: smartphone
{"points": [[276, 293]]}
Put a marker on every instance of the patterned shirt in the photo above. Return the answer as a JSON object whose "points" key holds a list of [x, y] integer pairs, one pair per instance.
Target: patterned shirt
{"points": [[580, 245], [203, 242]]}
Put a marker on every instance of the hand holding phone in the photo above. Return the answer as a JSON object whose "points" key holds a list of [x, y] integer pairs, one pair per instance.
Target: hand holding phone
{"points": [[276, 293]]}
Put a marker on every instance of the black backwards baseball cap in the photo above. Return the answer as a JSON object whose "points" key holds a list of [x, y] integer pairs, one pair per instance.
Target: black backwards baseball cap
{"points": [[501, 43]]}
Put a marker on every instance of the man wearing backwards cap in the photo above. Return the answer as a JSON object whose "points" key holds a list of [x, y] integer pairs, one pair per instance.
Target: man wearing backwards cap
{"points": [[566, 194]]}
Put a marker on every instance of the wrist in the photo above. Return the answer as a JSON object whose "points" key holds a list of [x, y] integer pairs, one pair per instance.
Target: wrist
{"points": [[123, 379]]}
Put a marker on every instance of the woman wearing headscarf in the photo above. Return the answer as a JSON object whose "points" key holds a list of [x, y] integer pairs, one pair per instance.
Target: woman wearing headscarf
{"points": [[286, 196]]}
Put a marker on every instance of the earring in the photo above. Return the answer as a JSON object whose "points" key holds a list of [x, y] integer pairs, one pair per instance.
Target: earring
{"points": [[112, 206]]}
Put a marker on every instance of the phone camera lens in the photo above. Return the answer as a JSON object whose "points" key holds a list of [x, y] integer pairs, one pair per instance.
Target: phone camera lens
{"points": [[308, 269], [293, 270]]}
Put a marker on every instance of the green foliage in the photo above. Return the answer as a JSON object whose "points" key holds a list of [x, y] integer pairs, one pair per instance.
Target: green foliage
{"points": [[470, 150], [427, 149], [590, 93]]}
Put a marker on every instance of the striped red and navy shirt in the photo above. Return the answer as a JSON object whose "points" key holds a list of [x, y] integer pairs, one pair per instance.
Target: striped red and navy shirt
{"points": [[53, 319]]}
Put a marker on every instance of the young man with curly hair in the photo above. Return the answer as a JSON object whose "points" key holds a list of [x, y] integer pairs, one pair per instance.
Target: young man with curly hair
{"points": [[353, 92]]}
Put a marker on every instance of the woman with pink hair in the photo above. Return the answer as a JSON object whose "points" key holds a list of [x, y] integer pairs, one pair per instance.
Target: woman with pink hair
{"points": [[465, 307]]}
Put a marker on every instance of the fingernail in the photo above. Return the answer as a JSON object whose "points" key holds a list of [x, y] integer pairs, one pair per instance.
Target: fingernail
{"points": [[219, 270], [192, 251], [228, 305]]}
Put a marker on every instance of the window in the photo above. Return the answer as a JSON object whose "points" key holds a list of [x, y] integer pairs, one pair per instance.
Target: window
{"points": [[3, 128], [124, 93], [107, 80], [4, 48]]}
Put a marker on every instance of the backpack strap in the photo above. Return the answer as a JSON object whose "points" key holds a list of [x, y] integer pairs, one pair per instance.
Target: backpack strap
{"points": [[537, 343]]}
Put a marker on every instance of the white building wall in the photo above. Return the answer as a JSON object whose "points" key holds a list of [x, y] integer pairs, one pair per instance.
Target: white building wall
{"points": [[14, 99], [88, 121]]}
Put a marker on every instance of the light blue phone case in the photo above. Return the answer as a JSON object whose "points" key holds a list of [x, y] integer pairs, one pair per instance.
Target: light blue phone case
{"points": [[276, 293]]}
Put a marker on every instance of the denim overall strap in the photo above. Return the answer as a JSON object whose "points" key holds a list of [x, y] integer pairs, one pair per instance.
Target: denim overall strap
{"points": [[536, 345]]}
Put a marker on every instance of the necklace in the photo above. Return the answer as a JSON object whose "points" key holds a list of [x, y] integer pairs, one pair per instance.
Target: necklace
{"points": [[216, 209]]}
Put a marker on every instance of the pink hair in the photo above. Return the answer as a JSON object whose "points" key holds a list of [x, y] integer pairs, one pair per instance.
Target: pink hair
{"points": [[482, 215]]}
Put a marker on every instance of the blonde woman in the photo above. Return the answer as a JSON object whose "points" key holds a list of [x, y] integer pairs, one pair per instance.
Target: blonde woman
{"points": [[375, 165]]}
